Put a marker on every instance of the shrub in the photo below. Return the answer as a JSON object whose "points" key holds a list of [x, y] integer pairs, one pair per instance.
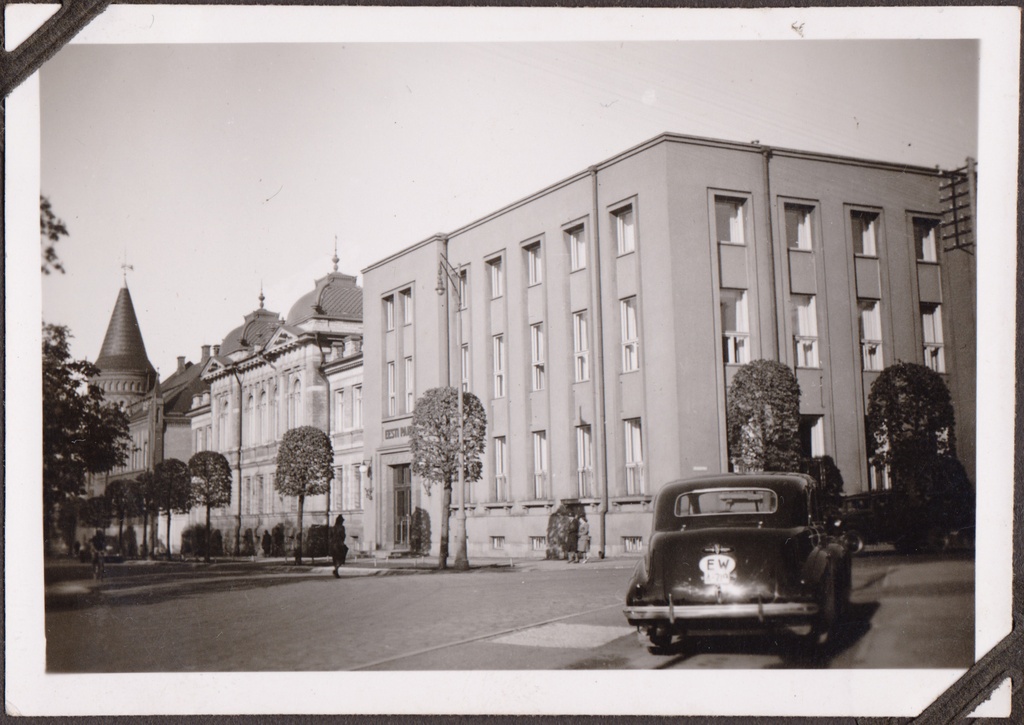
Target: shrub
{"points": [[193, 541], [216, 543], [131, 542], [248, 544], [419, 535], [558, 529], [315, 540], [277, 535]]}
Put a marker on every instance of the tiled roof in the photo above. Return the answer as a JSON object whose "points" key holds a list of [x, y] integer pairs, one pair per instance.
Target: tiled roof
{"points": [[259, 326], [123, 349], [336, 296], [178, 389]]}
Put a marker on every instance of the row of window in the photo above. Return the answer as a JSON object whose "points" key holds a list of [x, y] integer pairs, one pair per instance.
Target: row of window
{"points": [[350, 416], [730, 226], [730, 222], [585, 485], [405, 301], [260, 497]]}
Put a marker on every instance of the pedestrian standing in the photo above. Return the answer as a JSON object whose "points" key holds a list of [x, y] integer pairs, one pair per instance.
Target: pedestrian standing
{"points": [[583, 539], [339, 550], [570, 540]]}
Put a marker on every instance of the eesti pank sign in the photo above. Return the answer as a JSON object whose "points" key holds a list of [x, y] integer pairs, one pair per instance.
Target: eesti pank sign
{"points": [[398, 432]]}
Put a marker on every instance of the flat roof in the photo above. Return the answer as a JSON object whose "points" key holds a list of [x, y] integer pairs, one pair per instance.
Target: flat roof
{"points": [[667, 137]]}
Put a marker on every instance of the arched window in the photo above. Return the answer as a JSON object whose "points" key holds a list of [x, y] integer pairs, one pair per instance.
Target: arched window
{"points": [[250, 414], [222, 424], [261, 419], [297, 397], [273, 414]]}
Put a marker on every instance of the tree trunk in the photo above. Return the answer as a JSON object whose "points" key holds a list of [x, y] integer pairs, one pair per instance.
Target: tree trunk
{"points": [[298, 544], [208, 540], [120, 533], [446, 505], [145, 532], [168, 534]]}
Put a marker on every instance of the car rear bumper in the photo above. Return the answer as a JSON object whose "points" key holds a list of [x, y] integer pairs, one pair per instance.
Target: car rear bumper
{"points": [[674, 613]]}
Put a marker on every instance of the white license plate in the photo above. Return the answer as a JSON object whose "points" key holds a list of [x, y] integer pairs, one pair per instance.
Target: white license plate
{"points": [[718, 568]]}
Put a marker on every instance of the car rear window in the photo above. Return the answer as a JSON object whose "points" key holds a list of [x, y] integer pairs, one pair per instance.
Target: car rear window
{"points": [[719, 501]]}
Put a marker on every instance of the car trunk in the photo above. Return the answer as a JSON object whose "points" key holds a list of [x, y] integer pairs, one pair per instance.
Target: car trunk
{"points": [[726, 565]]}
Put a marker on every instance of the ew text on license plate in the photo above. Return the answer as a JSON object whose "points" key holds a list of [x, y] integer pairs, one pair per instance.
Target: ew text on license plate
{"points": [[717, 568]]}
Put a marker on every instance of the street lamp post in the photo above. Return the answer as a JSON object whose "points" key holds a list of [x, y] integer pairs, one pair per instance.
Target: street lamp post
{"points": [[453, 276]]}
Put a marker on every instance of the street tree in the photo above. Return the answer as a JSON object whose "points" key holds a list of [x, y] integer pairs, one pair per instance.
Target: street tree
{"points": [[911, 431], [304, 468], [82, 434], [763, 418], [149, 501], [211, 484], [174, 488], [95, 512], [125, 502], [51, 229], [434, 442]]}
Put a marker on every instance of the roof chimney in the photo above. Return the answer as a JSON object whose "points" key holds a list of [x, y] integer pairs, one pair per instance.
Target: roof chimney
{"points": [[216, 349], [206, 353], [181, 363]]}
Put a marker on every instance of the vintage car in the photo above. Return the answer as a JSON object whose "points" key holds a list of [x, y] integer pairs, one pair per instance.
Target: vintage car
{"points": [[740, 552]]}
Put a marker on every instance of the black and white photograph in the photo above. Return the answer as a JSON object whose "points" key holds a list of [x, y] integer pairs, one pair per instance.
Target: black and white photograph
{"points": [[507, 360]]}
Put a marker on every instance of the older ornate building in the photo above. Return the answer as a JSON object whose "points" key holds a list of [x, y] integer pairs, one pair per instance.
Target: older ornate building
{"points": [[272, 374]]}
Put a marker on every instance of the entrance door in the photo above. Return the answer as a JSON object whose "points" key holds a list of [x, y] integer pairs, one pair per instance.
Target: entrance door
{"points": [[401, 475]]}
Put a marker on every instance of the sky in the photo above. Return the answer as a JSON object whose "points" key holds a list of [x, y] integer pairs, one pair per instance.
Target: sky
{"points": [[217, 170]]}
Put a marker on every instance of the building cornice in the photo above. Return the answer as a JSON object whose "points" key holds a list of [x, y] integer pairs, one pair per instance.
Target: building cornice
{"points": [[667, 137]]}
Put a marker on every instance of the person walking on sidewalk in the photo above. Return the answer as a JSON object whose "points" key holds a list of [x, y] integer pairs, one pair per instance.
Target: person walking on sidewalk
{"points": [[583, 540], [338, 548], [570, 541]]}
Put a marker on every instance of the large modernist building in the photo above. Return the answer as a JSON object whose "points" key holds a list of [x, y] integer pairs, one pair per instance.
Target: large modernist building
{"points": [[602, 319]]}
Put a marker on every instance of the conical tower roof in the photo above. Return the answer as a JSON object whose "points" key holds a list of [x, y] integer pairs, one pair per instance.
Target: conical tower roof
{"points": [[123, 349]]}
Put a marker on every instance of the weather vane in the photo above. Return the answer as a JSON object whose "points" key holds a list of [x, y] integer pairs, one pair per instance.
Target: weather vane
{"points": [[125, 267]]}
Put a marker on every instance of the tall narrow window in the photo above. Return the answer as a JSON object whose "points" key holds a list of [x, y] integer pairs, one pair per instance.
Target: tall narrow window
{"points": [[634, 457], [798, 226], [584, 463], [464, 366], [297, 401], [625, 230], [357, 406], [812, 436], [540, 464], [261, 418], [500, 469], [222, 425], [924, 239], [274, 413], [250, 414], [464, 289], [735, 330], [392, 399], [499, 365], [729, 220], [534, 264], [406, 296], [931, 328], [497, 278], [577, 248], [630, 336], [805, 326], [864, 227], [410, 390], [870, 324], [537, 354], [581, 346], [339, 410], [389, 312]]}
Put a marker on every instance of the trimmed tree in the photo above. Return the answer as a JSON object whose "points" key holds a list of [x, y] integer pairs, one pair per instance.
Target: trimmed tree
{"points": [[125, 502], [763, 418], [304, 467], [95, 512], [173, 483], [911, 431], [149, 502], [434, 442], [211, 484], [81, 433]]}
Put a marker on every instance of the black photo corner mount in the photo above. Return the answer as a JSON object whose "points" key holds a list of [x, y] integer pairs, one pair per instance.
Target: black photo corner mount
{"points": [[1004, 661]]}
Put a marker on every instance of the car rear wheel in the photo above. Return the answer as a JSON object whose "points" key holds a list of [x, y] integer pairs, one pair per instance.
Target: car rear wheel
{"points": [[658, 639], [828, 611]]}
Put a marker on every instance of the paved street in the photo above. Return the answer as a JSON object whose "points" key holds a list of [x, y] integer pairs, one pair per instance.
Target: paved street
{"points": [[149, 617]]}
